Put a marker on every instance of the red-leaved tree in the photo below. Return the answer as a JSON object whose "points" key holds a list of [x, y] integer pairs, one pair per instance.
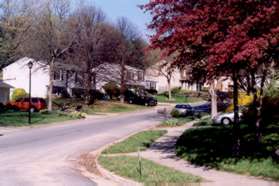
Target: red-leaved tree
{"points": [[229, 35]]}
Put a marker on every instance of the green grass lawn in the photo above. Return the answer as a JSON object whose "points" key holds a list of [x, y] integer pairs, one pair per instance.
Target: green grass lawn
{"points": [[98, 107], [151, 173], [176, 122], [21, 118], [140, 141], [112, 107], [178, 99], [212, 146]]}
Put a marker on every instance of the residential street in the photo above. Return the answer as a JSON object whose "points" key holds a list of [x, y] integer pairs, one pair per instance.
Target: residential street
{"points": [[46, 155]]}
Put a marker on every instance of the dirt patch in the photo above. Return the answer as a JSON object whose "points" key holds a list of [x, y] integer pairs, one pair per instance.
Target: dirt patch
{"points": [[89, 161]]}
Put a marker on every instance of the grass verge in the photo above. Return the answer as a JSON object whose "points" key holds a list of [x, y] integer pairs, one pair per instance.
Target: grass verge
{"points": [[178, 99], [112, 107], [176, 122], [145, 171], [98, 107], [212, 146], [18, 119], [140, 141]]}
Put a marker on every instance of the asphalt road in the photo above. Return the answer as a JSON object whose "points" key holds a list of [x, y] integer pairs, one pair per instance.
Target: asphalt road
{"points": [[47, 155]]}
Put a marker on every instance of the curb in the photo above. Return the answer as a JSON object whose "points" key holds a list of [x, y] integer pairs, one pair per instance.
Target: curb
{"points": [[105, 175]]}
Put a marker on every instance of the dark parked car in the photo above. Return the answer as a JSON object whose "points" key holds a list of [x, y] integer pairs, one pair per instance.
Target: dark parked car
{"points": [[188, 110], [140, 99]]}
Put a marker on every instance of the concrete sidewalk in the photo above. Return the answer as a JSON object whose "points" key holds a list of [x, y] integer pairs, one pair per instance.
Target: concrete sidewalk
{"points": [[163, 152]]}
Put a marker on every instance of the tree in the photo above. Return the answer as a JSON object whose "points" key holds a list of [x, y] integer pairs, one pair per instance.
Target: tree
{"points": [[131, 51], [88, 26], [228, 35], [14, 24], [45, 40]]}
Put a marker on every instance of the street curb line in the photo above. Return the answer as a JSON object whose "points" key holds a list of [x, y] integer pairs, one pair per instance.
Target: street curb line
{"points": [[107, 175]]}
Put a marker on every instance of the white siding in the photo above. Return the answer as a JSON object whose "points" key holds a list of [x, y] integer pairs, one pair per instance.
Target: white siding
{"points": [[17, 75]]}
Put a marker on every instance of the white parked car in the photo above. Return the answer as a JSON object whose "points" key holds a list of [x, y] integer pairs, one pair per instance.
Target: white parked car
{"points": [[225, 118]]}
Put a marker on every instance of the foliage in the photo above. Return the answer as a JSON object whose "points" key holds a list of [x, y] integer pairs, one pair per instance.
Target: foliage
{"points": [[176, 122], [176, 90], [152, 173], [140, 141], [19, 93], [243, 100], [225, 33], [175, 113], [212, 146], [79, 115], [112, 89], [152, 91]]}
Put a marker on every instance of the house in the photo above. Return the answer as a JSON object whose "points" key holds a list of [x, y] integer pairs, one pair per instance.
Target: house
{"points": [[4, 92], [156, 78], [68, 79]]}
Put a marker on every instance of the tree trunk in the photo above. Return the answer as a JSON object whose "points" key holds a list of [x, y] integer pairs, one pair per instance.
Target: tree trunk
{"points": [[122, 82], [169, 89], [88, 99], [214, 109], [236, 127], [50, 86], [259, 110]]}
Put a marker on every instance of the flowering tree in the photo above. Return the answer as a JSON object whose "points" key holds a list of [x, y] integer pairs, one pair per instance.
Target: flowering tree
{"points": [[230, 35]]}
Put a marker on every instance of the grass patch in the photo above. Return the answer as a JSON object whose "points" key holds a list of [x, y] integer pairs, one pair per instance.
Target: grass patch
{"points": [[178, 99], [152, 173], [112, 107], [212, 146], [176, 122], [204, 122], [141, 141], [21, 118], [98, 107]]}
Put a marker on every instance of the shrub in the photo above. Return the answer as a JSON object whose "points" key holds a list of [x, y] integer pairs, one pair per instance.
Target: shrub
{"points": [[112, 89], [78, 115], [175, 113], [44, 111], [176, 90], [19, 93], [152, 91]]}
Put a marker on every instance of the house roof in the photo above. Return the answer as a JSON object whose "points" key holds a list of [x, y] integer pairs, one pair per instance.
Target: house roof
{"points": [[5, 85]]}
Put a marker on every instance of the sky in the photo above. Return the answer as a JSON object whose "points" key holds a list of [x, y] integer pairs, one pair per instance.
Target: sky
{"points": [[126, 8]]}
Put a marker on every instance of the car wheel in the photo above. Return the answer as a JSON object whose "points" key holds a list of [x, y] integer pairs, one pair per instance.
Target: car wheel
{"points": [[226, 121], [146, 104]]}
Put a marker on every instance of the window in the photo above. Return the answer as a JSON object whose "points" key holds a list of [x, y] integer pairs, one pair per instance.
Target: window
{"points": [[58, 75], [130, 76], [140, 76]]}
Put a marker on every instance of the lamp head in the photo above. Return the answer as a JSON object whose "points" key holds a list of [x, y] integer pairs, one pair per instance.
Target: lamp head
{"points": [[30, 64]]}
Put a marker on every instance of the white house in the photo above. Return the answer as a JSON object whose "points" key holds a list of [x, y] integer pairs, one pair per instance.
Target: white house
{"points": [[4, 92], [67, 78]]}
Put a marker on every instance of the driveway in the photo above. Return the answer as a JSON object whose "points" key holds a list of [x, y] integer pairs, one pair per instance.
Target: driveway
{"points": [[47, 155]]}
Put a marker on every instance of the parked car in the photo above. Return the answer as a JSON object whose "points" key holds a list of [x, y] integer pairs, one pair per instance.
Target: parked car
{"points": [[22, 104], [193, 110], [140, 99], [225, 118]]}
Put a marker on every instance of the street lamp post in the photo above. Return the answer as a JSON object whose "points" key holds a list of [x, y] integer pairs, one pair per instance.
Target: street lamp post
{"points": [[30, 65]]}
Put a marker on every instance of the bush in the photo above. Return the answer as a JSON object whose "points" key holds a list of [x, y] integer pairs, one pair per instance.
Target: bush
{"points": [[18, 94], [112, 89], [152, 91], [175, 113], [176, 90], [78, 115]]}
